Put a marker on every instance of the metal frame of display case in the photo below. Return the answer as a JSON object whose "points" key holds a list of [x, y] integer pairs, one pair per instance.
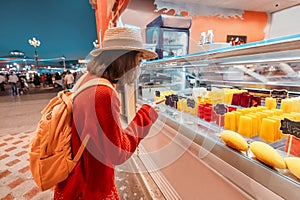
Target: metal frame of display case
{"points": [[203, 135]]}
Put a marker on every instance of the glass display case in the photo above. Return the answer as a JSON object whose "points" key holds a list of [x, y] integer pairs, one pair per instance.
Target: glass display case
{"points": [[265, 69]]}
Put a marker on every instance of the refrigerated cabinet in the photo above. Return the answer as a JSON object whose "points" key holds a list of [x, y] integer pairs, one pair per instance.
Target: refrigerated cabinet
{"points": [[185, 155], [169, 35]]}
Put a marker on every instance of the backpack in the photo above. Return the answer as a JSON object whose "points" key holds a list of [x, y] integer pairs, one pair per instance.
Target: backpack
{"points": [[50, 153]]}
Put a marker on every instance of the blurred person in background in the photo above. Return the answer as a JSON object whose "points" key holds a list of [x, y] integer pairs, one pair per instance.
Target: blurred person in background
{"points": [[43, 79], [13, 80], [69, 80], [2, 82], [36, 80]]}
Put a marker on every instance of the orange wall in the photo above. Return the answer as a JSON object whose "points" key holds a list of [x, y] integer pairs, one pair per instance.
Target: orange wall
{"points": [[252, 25]]}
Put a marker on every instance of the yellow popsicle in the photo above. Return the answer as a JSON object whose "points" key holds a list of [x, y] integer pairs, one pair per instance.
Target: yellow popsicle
{"points": [[296, 107], [269, 112], [237, 118], [278, 133], [254, 124], [289, 116], [262, 108], [229, 121], [286, 105], [268, 130], [245, 126], [263, 114], [278, 111], [296, 115], [270, 103], [259, 119]]}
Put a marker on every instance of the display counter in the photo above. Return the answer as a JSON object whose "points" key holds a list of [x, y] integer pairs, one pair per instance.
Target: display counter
{"points": [[184, 153]]}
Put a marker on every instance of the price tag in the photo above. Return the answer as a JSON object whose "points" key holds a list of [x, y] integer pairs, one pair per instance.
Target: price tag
{"points": [[220, 109], [279, 94], [157, 93], [174, 97], [191, 103], [290, 127]]}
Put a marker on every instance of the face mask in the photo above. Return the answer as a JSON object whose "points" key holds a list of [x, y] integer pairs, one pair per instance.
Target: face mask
{"points": [[130, 76]]}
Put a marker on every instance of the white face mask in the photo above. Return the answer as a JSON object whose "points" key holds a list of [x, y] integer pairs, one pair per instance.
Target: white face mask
{"points": [[130, 76]]}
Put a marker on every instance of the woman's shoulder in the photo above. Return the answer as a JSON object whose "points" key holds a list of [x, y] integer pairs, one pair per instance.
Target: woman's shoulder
{"points": [[106, 90]]}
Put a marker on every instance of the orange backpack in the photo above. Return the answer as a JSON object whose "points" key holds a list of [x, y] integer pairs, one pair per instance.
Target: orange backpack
{"points": [[50, 153]]}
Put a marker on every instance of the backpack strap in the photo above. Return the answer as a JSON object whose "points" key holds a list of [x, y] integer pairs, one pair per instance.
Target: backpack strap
{"points": [[81, 148], [93, 82], [78, 82]]}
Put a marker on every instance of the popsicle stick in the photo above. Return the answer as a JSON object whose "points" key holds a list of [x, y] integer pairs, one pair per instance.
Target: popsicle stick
{"points": [[159, 101], [290, 145]]}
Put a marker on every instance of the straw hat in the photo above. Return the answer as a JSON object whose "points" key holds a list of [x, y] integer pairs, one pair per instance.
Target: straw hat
{"points": [[123, 38]]}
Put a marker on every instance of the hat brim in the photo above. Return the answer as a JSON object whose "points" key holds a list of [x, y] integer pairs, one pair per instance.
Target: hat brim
{"points": [[146, 54]]}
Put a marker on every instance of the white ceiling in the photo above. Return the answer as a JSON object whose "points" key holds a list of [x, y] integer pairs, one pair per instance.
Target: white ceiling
{"points": [[252, 5]]}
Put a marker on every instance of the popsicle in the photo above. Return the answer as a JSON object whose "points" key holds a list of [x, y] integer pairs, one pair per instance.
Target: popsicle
{"points": [[245, 126], [268, 130], [270, 103]]}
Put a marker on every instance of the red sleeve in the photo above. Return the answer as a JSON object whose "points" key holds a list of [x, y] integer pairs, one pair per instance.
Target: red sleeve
{"points": [[119, 143]]}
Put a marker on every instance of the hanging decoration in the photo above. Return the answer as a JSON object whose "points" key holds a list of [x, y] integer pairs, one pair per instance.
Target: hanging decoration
{"points": [[196, 9]]}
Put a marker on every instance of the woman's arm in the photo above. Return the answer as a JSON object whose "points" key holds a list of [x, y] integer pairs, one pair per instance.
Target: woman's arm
{"points": [[119, 143]]}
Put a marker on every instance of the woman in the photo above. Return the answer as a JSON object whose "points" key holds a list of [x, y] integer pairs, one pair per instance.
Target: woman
{"points": [[96, 111]]}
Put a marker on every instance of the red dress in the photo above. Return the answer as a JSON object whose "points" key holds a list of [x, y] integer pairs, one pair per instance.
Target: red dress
{"points": [[96, 111]]}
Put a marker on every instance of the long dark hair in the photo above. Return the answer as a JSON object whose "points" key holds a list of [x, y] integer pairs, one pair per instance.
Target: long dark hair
{"points": [[115, 65]]}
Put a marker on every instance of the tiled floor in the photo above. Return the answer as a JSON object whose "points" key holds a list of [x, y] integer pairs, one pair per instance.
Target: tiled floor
{"points": [[18, 118], [15, 177]]}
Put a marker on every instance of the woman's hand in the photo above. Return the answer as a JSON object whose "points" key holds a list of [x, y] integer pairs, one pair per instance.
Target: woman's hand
{"points": [[154, 104]]}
